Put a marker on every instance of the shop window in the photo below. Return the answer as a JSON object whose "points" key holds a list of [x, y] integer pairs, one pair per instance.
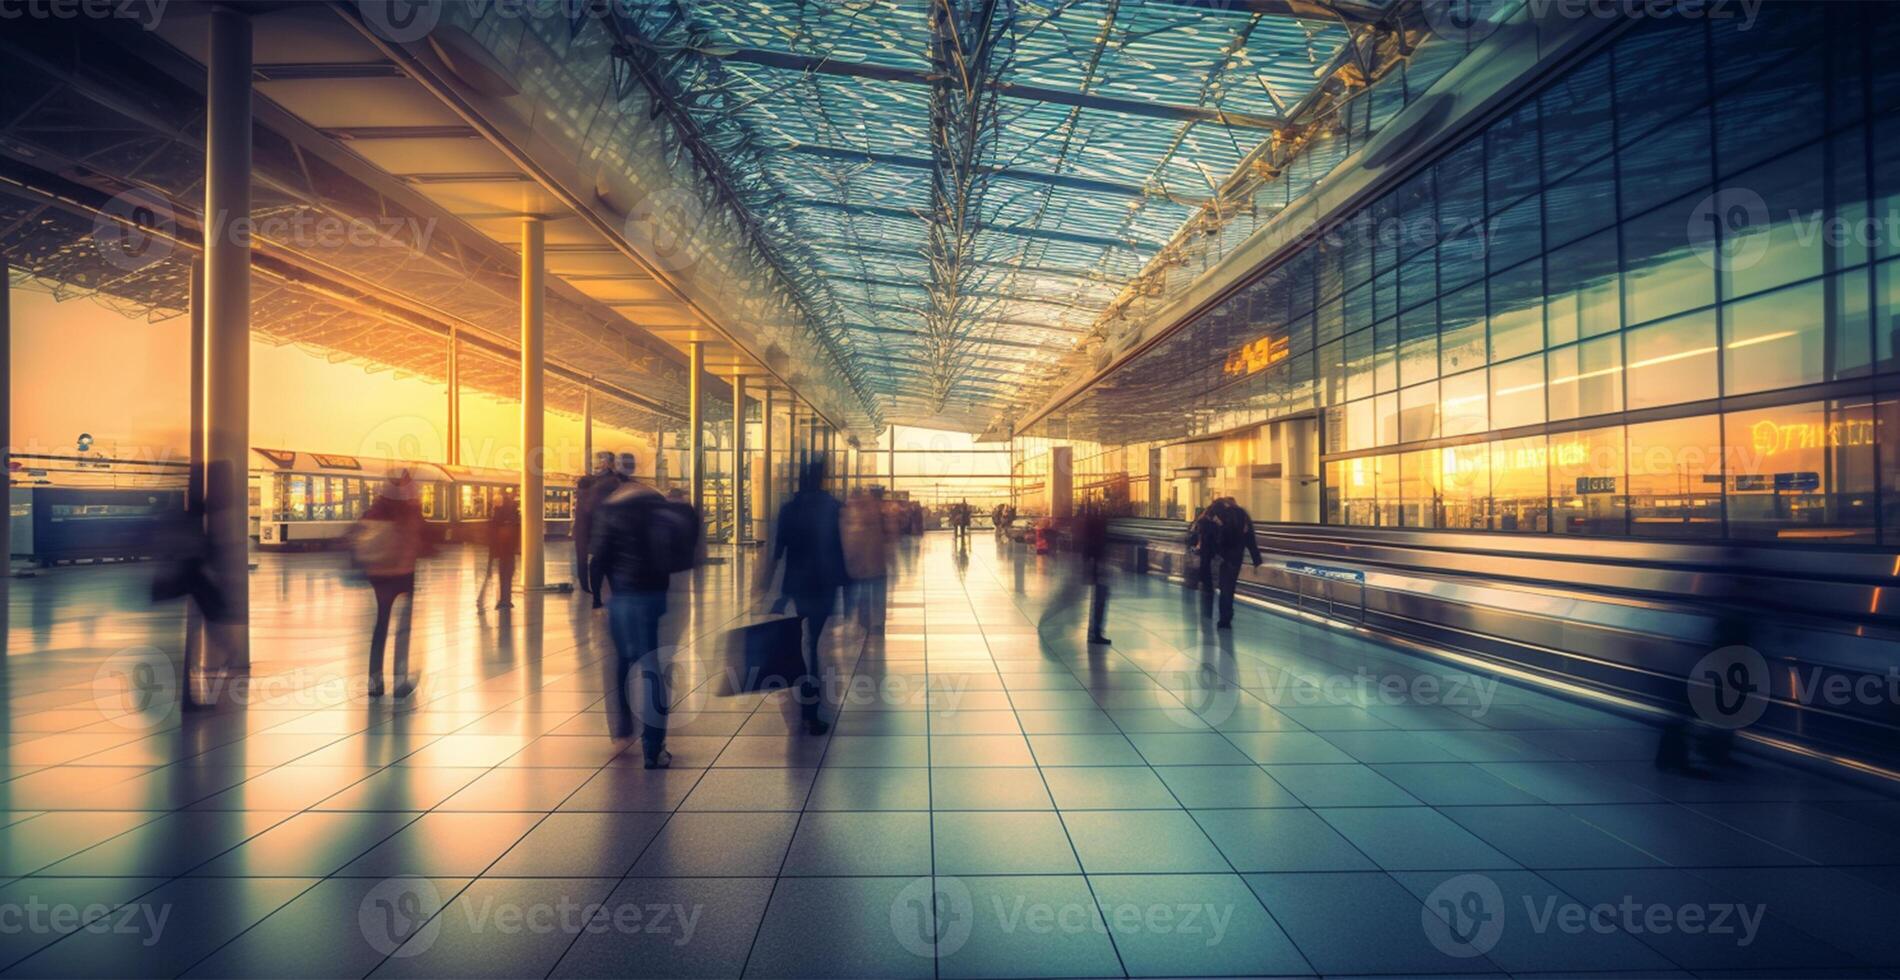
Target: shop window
{"points": [[1770, 223], [1517, 392], [1586, 378], [1586, 290], [1461, 339], [1332, 500], [1802, 473], [1464, 485], [1775, 340], [1671, 362], [1587, 482], [1675, 476], [1418, 412], [1666, 270], [1386, 469], [1520, 485], [1517, 311], [1418, 489], [1465, 406], [1358, 489]]}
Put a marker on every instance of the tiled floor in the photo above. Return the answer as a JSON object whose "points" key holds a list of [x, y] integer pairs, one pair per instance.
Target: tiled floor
{"points": [[994, 800]]}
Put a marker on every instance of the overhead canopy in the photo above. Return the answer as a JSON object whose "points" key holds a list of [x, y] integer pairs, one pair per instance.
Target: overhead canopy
{"points": [[972, 182]]}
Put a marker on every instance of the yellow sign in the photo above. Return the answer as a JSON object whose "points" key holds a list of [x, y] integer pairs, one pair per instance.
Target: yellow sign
{"points": [[1771, 437], [1257, 356]]}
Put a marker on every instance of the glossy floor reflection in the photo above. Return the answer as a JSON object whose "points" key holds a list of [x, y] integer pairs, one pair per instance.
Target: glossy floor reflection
{"points": [[994, 800]]}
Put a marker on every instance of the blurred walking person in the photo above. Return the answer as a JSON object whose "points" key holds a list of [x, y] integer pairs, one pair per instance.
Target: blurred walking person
{"points": [[867, 556], [584, 504], [1204, 551], [385, 545], [1089, 534], [618, 473], [640, 540], [1236, 538], [810, 541], [504, 543]]}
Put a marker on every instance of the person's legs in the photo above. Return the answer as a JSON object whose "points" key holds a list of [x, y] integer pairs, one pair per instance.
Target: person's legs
{"points": [[809, 689], [379, 635], [580, 561], [1098, 608], [1229, 578], [507, 580], [1204, 583], [653, 672], [623, 624], [404, 682]]}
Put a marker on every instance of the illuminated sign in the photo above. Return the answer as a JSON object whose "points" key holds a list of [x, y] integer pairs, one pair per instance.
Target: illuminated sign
{"points": [[1588, 485], [1770, 437], [1257, 356]]}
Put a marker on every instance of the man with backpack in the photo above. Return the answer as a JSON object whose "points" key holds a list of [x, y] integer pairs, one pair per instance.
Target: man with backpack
{"points": [[639, 540], [1236, 536]]}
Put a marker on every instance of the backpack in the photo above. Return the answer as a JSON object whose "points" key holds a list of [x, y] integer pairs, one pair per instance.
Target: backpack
{"points": [[672, 537]]}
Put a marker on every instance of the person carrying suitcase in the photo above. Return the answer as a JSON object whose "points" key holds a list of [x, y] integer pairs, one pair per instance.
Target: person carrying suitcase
{"points": [[810, 541], [640, 540]]}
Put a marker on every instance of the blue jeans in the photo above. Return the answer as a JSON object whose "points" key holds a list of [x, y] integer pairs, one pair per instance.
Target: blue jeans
{"points": [[633, 619]]}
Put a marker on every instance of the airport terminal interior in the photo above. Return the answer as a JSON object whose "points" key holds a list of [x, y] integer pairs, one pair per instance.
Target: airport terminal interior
{"points": [[950, 488]]}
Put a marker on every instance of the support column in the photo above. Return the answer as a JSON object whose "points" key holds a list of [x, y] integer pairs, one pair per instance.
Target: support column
{"points": [[455, 397], [741, 515], [768, 488], [587, 427], [891, 484], [195, 451], [533, 409], [227, 258], [696, 421], [6, 452]]}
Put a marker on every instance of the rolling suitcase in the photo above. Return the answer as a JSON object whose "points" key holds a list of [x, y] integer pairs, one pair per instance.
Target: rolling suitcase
{"points": [[762, 656]]}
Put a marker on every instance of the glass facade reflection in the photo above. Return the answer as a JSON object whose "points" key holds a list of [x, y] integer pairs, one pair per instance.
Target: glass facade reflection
{"points": [[1657, 297]]}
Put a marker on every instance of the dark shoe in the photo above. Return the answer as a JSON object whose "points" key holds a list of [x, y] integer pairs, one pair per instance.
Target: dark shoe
{"points": [[375, 687], [405, 689], [1099, 640], [597, 602], [504, 605], [1223, 625], [816, 726], [661, 761]]}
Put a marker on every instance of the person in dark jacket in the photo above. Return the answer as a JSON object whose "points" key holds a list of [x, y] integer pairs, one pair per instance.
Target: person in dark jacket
{"points": [[504, 543], [1236, 538], [387, 543], [605, 484], [1088, 533], [637, 601], [584, 504], [1204, 549], [810, 541]]}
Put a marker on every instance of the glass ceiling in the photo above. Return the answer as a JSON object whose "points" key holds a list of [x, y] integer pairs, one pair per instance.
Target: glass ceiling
{"points": [[967, 184]]}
